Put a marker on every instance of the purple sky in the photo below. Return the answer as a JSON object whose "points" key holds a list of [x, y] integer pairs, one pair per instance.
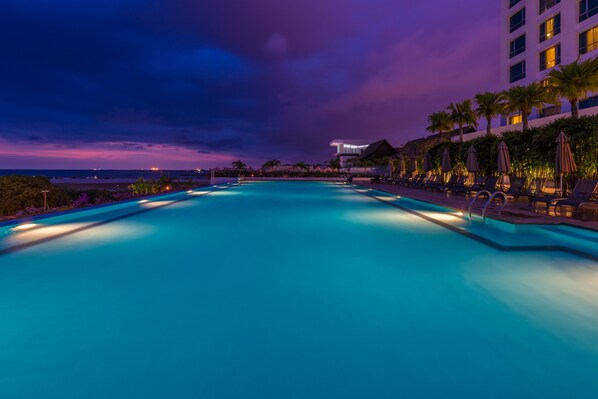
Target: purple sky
{"points": [[187, 83]]}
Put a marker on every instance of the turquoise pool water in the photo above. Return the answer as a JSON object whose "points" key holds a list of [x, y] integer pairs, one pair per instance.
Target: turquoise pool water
{"points": [[289, 290]]}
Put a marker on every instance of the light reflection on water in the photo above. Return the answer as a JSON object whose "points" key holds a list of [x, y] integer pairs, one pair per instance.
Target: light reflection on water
{"points": [[559, 292]]}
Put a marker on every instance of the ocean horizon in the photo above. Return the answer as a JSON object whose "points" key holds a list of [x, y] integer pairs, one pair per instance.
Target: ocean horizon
{"points": [[105, 174]]}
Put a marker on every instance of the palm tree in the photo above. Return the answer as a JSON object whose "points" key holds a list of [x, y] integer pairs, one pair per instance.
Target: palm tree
{"points": [[573, 81], [301, 166], [463, 114], [490, 104], [440, 122], [523, 99], [271, 164], [334, 164], [239, 165]]}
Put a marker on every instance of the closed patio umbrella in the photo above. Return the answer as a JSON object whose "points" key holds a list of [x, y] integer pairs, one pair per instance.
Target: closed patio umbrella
{"points": [[564, 158], [504, 161], [427, 162], [391, 167], [446, 161], [401, 165], [413, 166], [472, 161]]}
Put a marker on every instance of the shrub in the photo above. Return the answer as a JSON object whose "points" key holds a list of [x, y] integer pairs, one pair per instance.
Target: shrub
{"points": [[532, 152], [21, 192]]}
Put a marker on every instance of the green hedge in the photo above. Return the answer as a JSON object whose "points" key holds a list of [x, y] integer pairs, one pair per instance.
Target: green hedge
{"points": [[533, 152]]}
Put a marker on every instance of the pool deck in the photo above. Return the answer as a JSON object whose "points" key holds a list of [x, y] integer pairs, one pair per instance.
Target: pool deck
{"points": [[516, 211]]}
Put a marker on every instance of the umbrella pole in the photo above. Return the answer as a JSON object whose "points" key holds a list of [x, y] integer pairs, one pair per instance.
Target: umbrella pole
{"points": [[561, 185]]}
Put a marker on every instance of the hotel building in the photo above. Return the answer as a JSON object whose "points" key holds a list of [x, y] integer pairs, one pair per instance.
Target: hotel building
{"points": [[538, 35], [347, 149]]}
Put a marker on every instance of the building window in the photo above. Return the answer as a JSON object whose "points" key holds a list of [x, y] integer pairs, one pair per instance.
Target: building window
{"points": [[547, 4], [588, 40], [517, 20], [513, 2], [515, 119], [550, 28], [517, 72], [550, 111], [588, 102], [517, 46], [587, 8], [550, 57]]}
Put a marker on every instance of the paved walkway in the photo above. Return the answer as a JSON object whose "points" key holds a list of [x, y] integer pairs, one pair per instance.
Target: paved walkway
{"points": [[516, 211]]}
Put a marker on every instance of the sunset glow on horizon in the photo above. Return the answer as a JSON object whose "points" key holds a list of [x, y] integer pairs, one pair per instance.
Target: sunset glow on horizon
{"points": [[106, 155]]}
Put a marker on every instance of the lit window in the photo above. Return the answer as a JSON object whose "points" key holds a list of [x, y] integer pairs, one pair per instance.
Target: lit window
{"points": [[515, 119], [550, 28], [588, 40], [550, 57]]}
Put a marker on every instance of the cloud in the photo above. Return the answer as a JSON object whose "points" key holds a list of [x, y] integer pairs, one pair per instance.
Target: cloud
{"points": [[274, 78], [276, 44], [126, 155]]}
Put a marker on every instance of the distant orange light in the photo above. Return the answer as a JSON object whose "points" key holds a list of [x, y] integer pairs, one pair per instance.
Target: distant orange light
{"points": [[154, 168]]}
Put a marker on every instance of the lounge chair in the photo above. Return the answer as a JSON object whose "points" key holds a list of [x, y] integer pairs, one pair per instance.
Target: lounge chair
{"points": [[516, 189], [460, 186], [380, 180], [399, 181], [585, 191], [489, 185], [439, 186], [454, 186], [536, 187], [477, 184], [433, 179], [416, 180], [540, 195]]}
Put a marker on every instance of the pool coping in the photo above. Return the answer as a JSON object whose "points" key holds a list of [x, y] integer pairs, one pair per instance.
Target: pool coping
{"points": [[90, 207], [469, 234], [25, 245], [513, 222]]}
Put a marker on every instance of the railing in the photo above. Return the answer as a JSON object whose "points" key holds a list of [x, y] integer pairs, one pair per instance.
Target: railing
{"points": [[504, 203], [490, 198], [475, 198]]}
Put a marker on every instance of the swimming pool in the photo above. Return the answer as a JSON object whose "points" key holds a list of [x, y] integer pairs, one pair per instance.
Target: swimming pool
{"points": [[294, 290]]}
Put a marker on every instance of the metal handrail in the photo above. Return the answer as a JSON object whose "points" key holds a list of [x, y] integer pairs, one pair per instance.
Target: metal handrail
{"points": [[475, 198], [504, 203]]}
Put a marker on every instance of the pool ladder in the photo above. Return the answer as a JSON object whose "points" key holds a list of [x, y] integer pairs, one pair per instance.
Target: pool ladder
{"points": [[490, 198]]}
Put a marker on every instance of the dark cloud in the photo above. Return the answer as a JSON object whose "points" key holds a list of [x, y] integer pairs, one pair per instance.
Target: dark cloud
{"points": [[261, 79]]}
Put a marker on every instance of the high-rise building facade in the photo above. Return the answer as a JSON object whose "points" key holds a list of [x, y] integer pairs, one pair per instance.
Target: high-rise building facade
{"points": [[538, 35]]}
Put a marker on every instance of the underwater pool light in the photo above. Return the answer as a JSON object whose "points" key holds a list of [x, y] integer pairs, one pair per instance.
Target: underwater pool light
{"points": [[25, 226]]}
